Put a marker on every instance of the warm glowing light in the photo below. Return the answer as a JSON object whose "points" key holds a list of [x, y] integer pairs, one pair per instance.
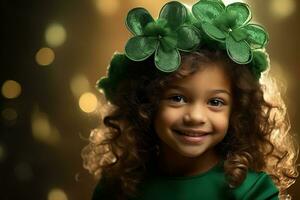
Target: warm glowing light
{"points": [[9, 114], [55, 35], [88, 102], [45, 56], [42, 129], [282, 8], [79, 84], [107, 7], [11, 89], [57, 194]]}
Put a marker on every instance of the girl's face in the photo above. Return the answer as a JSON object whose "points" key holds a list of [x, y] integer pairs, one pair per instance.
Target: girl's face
{"points": [[193, 114]]}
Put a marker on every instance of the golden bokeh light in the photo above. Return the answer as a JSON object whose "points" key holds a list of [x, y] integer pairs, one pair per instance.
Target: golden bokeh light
{"points": [[42, 130], [11, 89], [45, 56], [107, 8], [79, 84], [282, 8], [57, 194], [88, 102], [9, 114], [55, 35]]}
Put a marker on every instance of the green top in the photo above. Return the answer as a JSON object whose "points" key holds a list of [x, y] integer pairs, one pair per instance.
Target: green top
{"points": [[208, 185]]}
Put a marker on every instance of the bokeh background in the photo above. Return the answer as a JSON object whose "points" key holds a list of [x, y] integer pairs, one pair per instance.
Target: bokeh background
{"points": [[52, 54]]}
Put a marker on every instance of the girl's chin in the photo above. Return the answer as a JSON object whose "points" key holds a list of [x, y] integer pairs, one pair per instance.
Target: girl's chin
{"points": [[190, 152]]}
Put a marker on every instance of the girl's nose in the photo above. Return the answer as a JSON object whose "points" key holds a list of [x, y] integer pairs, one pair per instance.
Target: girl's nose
{"points": [[195, 115]]}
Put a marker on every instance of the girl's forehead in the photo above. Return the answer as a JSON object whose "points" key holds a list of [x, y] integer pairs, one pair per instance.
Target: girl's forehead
{"points": [[206, 73], [209, 77]]}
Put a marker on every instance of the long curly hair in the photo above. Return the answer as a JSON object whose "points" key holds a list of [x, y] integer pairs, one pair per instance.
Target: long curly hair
{"points": [[125, 144]]}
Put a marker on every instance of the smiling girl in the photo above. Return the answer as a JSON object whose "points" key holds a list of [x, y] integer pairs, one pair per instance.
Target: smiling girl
{"points": [[192, 125], [193, 117]]}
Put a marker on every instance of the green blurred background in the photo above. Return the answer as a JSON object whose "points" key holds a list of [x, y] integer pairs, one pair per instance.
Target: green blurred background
{"points": [[53, 52]]}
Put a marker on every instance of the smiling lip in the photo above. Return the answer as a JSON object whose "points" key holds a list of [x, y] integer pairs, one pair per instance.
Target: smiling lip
{"points": [[190, 132], [191, 137]]}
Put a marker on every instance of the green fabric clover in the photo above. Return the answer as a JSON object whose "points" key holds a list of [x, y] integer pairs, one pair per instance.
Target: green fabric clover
{"points": [[259, 63], [117, 71], [230, 25], [164, 37], [212, 23]]}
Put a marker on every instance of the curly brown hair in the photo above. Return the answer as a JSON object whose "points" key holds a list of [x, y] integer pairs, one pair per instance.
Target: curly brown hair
{"points": [[122, 149]]}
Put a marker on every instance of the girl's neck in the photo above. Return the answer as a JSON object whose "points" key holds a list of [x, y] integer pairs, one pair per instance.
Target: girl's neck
{"points": [[173, 164]]}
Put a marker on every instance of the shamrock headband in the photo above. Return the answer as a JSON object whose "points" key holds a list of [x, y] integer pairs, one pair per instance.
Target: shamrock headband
{"points": [[177, 28]]}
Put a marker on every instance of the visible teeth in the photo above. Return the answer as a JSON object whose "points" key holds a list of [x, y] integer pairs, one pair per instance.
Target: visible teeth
{"points": [[189, 134]]}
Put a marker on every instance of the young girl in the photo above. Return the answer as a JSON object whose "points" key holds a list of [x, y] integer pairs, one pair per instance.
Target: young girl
{"points": [[187, 114]]}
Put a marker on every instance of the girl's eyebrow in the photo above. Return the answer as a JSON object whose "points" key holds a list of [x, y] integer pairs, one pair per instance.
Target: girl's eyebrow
{"points": [[220, 91], [213, 91]]}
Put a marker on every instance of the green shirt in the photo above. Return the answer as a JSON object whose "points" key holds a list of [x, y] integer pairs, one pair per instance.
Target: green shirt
{"points": [[210, 185]]}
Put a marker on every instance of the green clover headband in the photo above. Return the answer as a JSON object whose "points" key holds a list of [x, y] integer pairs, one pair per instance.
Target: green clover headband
{"points": [[177, 29]]}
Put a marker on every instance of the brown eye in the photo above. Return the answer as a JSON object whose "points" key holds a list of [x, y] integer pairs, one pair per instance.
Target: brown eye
{"points": [[216, 102], [177, 98]]}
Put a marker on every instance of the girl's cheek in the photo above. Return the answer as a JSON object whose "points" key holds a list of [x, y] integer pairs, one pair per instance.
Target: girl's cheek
{"points": [[169, 114], [222, 121]]}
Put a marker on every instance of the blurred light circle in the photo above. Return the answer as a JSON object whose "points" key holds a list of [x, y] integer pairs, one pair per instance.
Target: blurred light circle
{"points": [[9, 114], [55, 35], [57, 194], [282, 8], [79, 84], [11, 89], [42, 130], [107, 7], [88, 102], [45, 56]]}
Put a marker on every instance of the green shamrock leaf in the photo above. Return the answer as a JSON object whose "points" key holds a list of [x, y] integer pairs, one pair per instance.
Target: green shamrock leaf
{"points": [[164, 36], [229, 25]]}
